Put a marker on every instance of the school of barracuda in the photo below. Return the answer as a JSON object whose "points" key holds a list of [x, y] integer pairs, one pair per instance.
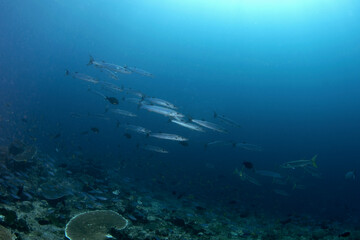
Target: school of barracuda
{"points": [[169, 110]]}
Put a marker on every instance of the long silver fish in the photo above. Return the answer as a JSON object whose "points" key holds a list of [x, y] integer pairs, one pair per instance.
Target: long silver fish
{"points": [[188, 125], [209, 125], [281, 192], [154, 148], [82, 76], [218, 143], [169, 136], [110, 66], [226, 120], [137, 129], [139, 71], [300, 163], [113, 87], [248, 146], [111, 74], [123, 112], [162, 110], [266, 173], [243, 176], [160, 102], [132, 100]]}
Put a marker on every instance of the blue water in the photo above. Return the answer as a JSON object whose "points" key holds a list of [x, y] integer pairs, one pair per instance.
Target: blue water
{"points": [[288, 74]]}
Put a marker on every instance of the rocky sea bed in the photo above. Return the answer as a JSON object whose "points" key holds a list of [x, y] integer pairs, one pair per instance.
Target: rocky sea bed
{"points": [[40, 196]]}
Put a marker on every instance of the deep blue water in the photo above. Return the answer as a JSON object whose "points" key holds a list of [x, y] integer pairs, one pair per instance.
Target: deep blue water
{"points": [[287, 73]]}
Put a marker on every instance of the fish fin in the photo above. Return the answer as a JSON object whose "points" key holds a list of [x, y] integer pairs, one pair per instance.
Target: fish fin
{"points": [[215, 114], [91, 60], [205, 146], [67, 73], [313, 160]]}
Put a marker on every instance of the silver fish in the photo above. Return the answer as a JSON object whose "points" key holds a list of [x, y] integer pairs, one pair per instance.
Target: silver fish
{"points": [[82, 76], [113, 87], [162, 110], [154, 149], [169, 136], [132, 100], [110, 66], [137, 129], [209, 125], [248, 146], [188, 125], [281, 192], [123, 112], [247, 178], [160, 102], [226, 120], [139, 71], [268, 173], [300, 163]]}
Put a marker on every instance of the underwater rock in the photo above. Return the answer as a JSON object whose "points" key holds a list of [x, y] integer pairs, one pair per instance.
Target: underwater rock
{"points": [[16, 148], [94, 225], [344, 234], [5, 234], [11, 220], [19, 152]]}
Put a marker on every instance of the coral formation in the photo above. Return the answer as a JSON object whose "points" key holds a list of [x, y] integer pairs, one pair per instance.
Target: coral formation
{"points": [[94, 225]]}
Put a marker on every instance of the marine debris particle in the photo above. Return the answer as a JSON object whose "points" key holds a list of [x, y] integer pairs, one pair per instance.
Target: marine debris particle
{"points": [[95, 130], [94, 225], [248, 165]]}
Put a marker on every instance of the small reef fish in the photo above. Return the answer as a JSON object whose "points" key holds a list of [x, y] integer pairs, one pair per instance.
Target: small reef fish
{"points": [[209, 125], [300, 163], [139, 71], [168, 136], [226, 120], [154, 148], [123, 112], [108, 66], [162, 110], [82, 76], [351, 175], [188, 125], [248, 165], [266, 173]]}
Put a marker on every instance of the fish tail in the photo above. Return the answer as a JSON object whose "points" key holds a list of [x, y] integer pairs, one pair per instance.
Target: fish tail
{"points": [[91, 60], [205, 146], [67, 73], [313, 160], [215, 114]]}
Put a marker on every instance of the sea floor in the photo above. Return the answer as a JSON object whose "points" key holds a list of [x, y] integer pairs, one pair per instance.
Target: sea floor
{"points": [[39, 197]]}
